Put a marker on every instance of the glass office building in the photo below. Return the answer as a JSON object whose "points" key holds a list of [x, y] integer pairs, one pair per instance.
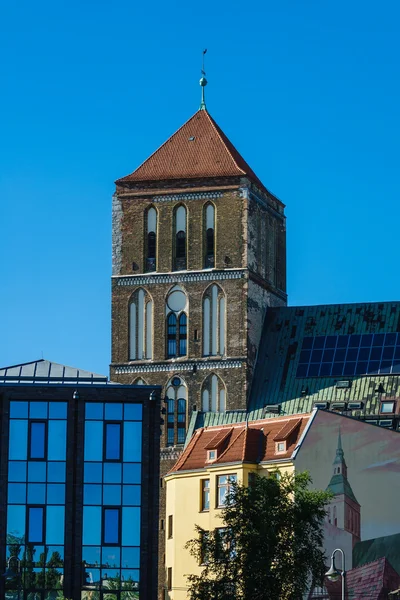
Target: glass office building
{"points": [[79, 471]]}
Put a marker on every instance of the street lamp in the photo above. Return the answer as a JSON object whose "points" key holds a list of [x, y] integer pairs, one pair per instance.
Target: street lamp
{"points": [[333, 574], [11, 574]]}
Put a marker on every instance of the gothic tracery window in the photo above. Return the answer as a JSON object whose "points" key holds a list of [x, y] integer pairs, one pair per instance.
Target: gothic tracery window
{"points": [[213, 394], [180, 258], [151, 239], [176, 313], [209, 236], [214, 321], [176, 394], [140, 326]]}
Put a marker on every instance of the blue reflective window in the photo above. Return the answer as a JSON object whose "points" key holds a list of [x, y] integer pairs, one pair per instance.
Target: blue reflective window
{"points": [[93, 473], [37, 440], [18, 440], [57, 440], [92, 494], [56, 472], [130, 577], [35, 524], [36, 493], [94, 440], [130, 558], [111, 525], [112, 472], [130, 526], [36, 471], [133, 412], [16, 471], [111, 557], [94, 410], [56, 493], [38, 410], [113, 441], [112, 495], [15, 521], [111, 575], [131, 495], [91, 555], [55, 525], [113, 412], [132, 441], [92, 525], [58, 410], [132, 473], [16, 493], [18, 410]]}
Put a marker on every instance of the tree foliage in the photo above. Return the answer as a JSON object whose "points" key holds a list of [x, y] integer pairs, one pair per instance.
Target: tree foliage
{"points": [[269, 546]]}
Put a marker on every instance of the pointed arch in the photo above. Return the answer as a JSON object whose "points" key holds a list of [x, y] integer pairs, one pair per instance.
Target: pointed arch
{"points": [[214, 321], [151, 221], [140, 325], [213, 394], [180, 237], [209, 235], [139, 381], [176, 306], [176, 396]]}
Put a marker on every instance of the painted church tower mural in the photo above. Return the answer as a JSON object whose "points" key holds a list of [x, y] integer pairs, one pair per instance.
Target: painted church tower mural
{"points": [[344, 511]]}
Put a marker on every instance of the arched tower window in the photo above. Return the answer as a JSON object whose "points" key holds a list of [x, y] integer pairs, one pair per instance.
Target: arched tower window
{"points": [[213, 394], [140, 326], [214, 322], [176, 314], [139, 381], [180, 262], [151, 239], [176, 394], [209, 236]]}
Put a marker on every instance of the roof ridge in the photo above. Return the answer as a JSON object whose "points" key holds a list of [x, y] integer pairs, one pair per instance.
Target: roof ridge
{"points": [[219, 132]]}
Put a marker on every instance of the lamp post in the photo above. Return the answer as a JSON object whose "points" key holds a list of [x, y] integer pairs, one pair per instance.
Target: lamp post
{"points": [[333, 574]]}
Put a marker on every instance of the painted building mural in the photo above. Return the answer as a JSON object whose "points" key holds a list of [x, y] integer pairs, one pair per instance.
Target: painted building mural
{"points": [[360, 464]]}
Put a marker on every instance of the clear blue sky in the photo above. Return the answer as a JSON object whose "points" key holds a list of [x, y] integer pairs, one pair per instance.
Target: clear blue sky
{"points": [[308, 91]]}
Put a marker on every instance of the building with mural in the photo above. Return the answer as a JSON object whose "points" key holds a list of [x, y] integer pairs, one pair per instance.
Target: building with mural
{"points": [[357, 462]]}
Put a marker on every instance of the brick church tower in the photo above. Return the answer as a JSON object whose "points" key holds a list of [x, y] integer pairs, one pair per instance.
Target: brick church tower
{"points": [[199, 253]]}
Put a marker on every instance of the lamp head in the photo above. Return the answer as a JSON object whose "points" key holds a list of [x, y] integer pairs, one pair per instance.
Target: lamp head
{"points": [[333, 574]]}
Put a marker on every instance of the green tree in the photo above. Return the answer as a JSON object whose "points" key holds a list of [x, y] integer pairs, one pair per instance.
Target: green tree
{"points": [[269, 546]]}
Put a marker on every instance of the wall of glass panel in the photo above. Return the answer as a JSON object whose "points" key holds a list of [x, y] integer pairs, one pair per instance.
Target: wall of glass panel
{"points": [[111, 500], [36, 499]]}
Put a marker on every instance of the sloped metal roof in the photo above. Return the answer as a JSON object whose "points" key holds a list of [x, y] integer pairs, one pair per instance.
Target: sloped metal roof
{"points": [[43, 371]]}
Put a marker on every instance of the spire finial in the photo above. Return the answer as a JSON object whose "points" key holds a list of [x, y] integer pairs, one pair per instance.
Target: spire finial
{"points": [[203, 83]]}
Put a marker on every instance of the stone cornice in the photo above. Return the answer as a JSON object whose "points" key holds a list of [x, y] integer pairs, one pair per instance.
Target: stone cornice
{"points": [[176, 276], [201, 365]]}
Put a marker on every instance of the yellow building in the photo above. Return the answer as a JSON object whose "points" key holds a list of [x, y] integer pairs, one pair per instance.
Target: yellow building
{"points": [[197, 485]]}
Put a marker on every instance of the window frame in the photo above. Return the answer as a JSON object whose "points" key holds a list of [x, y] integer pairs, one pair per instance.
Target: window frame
{"points": [[169, 578], [46, 439], [387, 412], [170, 532], [227, 485], [28, 518], [203, 490], [121, 437], [283, 450], [103, 522]]}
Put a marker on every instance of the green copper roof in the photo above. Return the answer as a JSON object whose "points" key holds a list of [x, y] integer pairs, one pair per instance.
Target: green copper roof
{"points": [[369, 550], [275, 380], [340, 485]]}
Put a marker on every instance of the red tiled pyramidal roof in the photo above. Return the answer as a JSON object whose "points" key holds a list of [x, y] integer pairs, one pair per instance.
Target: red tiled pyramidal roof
{"points": [[198, 149], [253, 442]]}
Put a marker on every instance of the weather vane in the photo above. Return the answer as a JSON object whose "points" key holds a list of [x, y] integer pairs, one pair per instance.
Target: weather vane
{"points": [[203, 83]]}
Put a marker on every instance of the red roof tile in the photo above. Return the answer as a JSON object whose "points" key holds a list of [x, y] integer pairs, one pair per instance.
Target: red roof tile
{"points": [[373, 581], [198, 149], [241, 442], [288, 428]]}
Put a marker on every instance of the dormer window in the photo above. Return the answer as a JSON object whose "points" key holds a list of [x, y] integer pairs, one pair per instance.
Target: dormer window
{"points": [[387, 407], [211, 455], [280, 447]]}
